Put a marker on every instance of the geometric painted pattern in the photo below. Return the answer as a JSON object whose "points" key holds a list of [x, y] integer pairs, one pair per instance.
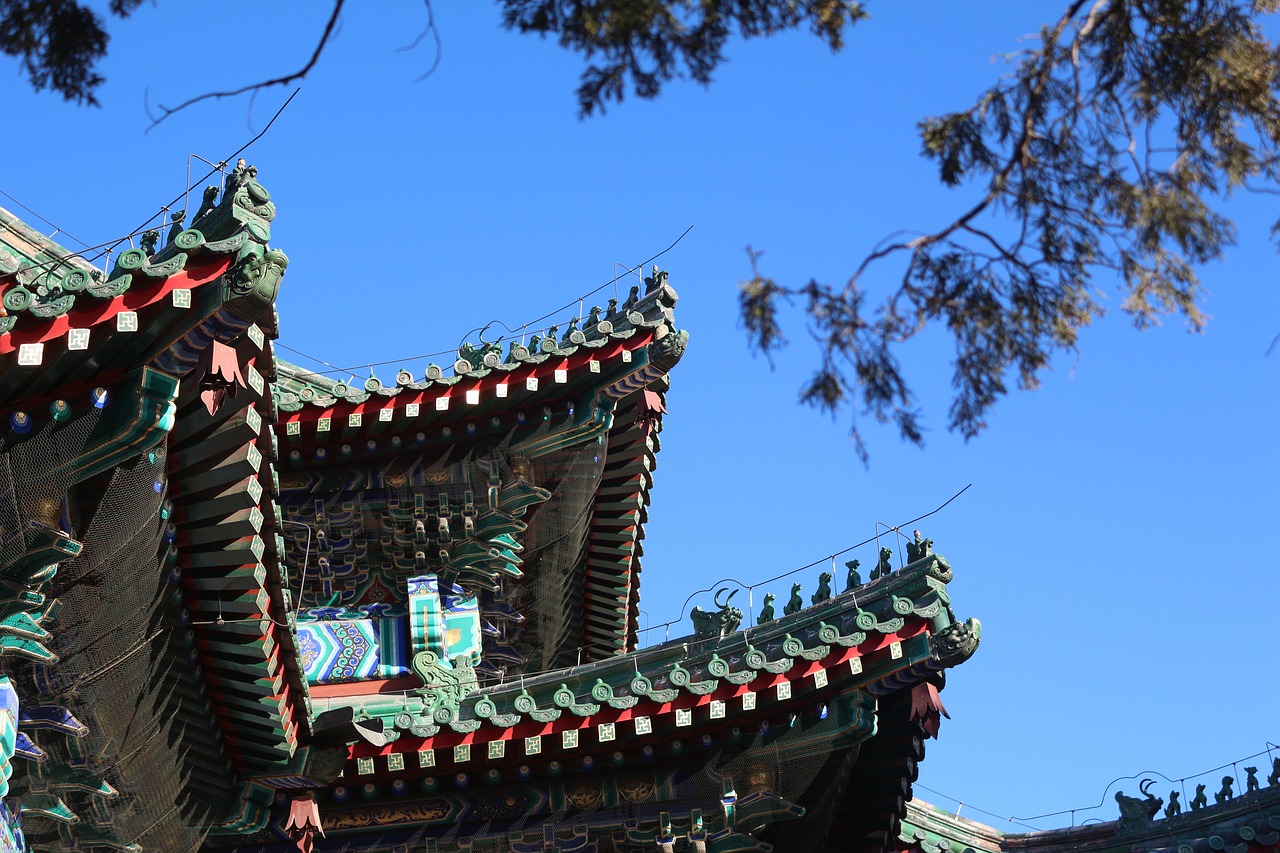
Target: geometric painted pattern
{"points": [[344, 650], [426, 616], [8, 731], [11, 837], [447, 623]]}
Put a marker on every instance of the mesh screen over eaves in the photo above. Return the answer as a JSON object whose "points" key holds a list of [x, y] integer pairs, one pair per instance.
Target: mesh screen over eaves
{"points": [[809, 773], [554, 551], [353, 524], [124, 668]]}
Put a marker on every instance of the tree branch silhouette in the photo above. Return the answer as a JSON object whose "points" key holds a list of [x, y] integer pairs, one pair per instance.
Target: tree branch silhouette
{"points": [[1101, 152], [166, 112]]}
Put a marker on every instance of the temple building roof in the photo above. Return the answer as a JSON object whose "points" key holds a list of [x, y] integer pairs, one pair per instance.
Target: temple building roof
{"points": [[1241, 823], [563, 430], [145, 623], [244, 601], [67, 320]]}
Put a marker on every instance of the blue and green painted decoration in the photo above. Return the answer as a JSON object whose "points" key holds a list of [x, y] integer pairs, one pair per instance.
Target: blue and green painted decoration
{"points": [[339, 650], [340, 645], [8, 732], [447, 623]]}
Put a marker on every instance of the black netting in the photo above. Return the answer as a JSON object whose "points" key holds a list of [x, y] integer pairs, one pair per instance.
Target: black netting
{"points": [[555, 549], [807, 765], [30, 490], [361, 529], [124, 666]]}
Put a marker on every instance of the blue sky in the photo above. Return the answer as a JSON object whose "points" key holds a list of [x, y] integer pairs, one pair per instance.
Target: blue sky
{"points": [[1115, 541]]}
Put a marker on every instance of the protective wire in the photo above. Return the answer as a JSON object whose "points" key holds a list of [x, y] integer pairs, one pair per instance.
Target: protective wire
{"points": [[124, 667]]}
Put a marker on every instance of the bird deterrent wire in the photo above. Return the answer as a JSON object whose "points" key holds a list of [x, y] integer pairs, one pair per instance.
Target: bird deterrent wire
{"points": [[830, 557], [513, 333]]}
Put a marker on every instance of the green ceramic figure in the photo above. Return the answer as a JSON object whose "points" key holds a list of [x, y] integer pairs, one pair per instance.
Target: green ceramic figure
{"points": [[208, 202], [853, 579], [796, 603], [919, 548], [722, 621], [885, 566], [766, 612], [1199, 801], [175, 224], [149, 241], [1136, 812], [824, 589]]}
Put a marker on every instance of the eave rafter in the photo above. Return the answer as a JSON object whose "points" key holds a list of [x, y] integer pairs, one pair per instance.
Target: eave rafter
{"points": [[879, 638], [228, 564]]}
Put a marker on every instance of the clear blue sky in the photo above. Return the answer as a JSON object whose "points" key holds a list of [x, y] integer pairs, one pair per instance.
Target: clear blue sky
{"points": [[1116, 543]]}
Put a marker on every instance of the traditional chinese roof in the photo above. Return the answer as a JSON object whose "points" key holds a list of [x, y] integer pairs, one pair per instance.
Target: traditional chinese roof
{"points": [[145, 618], [178, 492], [70, 323], [877, 637], [569, 427], [809, 684], [606, 361], [1245, 823]]}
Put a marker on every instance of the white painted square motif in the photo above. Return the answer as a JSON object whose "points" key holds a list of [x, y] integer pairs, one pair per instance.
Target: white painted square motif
{"points": [[30, 355]]}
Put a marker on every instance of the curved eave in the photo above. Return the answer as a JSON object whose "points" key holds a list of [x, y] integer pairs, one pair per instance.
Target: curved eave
{"points": [[767, 696], [926, 827], [1246, 823], [611, 593], [50, 356], [229, 559], [763, 672], [143, 294], [475, 398]]}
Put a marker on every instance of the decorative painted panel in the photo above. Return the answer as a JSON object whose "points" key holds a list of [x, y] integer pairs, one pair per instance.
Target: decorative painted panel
{"points": [[446, 623], [8, 733], [11, 836], [335, 651]]}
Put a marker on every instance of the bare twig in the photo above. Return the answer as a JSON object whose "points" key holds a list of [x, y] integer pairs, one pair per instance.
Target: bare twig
{"points": [[428, 30], [166, 112]]}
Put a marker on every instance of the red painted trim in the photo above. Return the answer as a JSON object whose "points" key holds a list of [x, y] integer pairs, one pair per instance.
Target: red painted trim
{"points": [[408, 745], [544, 372], [365, 688], [91, 311]]}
